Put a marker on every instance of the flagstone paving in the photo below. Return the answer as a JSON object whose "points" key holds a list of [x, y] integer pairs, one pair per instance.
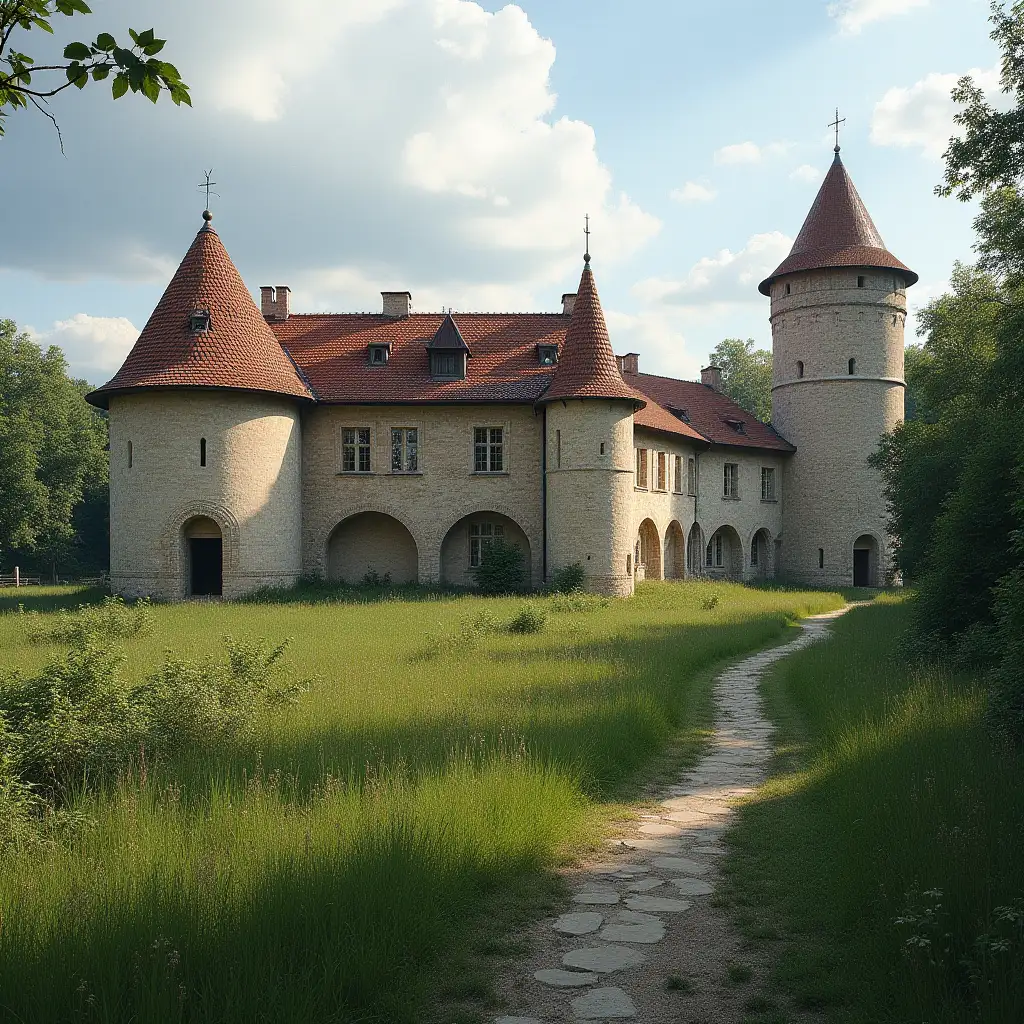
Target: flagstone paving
{"points": [[681, 843]]}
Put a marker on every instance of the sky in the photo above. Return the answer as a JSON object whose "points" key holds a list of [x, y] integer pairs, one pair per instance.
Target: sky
{"points": [[452, 148]]}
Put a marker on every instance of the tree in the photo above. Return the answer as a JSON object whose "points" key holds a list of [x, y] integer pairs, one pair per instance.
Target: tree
{"points": [[23, 82], [746, 375], [53, 444]]}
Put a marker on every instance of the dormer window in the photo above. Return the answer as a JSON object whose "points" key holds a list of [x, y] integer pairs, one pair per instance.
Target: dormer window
{"points": [[380, 352], [547, 355], [448, 351], [448, 365], [738, 425], [681, 414], [199, 321]]}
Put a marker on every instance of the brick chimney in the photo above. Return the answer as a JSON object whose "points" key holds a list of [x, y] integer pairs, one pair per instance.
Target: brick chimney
{"points": [[629, 363], [712, 377], [275, 303], [568, 302], [397, 304]]}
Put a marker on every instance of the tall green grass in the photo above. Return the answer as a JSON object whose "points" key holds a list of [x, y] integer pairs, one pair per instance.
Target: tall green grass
{"points": [[325, 868], [889, 849]]}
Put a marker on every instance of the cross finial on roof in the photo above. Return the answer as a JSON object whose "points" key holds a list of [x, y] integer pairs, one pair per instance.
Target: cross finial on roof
{"points": [[835, 124], [586, 231], [207, 187]]}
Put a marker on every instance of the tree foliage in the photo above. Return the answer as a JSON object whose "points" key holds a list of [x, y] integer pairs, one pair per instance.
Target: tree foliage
{"points": [[746, 375], [24, 82], [53, 445]]}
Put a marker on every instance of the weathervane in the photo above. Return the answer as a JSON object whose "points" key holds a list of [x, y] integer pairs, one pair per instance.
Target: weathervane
{"points": [[207, 187], [835, 124], [586, 231]]}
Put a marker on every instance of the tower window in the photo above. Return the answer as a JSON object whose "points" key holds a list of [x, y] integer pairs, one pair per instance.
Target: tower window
{"points": [[131, 454], [852, 367], [558, 448], [602, 447], [788, 289], [799, 367], [860, 282], [199, 321], [202, 451], [821, 558]]}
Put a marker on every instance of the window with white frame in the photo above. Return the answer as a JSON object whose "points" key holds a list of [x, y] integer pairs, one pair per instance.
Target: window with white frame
{"points": [[767, 483], [489, 450], [732, 480], [662, 464], [715, 554], [691, 476], [481, 538], [405, 450], [677, 474], [641, 468], [355, 450]]}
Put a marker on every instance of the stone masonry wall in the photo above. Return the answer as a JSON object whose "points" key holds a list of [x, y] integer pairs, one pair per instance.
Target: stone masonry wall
{"points": [[250, 487]]}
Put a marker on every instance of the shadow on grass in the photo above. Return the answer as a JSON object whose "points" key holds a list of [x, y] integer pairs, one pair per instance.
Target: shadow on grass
{"points": [[48, 599], [317, 591]]}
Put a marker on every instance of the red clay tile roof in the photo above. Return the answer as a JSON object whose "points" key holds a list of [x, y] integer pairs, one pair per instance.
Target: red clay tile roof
{"points": [[708, 412], [838, 232], [238, 351], [655, 417], [449, 337], [586, 365], [332, 351]]}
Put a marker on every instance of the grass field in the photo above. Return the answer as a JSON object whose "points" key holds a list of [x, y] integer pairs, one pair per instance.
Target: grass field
{"points": [[349, 860], [887, 854]]}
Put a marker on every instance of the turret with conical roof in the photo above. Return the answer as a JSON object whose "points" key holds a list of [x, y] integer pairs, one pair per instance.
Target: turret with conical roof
{"points": [[205, 442], [588, 411], [838, 308]]}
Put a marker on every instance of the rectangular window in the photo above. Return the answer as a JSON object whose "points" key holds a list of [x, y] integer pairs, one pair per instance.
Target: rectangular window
{"points": [[767, 483], [448, 364], [481, 538], [355, 450], [662, 471], [488, 450], [677, 470], [691, 476], [821, 558], [714, 552], [732, 480], [641, 468], [405, 450]]}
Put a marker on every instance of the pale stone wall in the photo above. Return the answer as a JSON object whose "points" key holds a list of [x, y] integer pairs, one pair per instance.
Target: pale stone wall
{"points": [[590, 494], [372, 543], [250, 487], [445, 490], [832, 417]]}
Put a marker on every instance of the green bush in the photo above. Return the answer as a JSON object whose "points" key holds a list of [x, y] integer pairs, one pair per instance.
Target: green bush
{"points": [[569, 579], [577, 601], [503, 570], [111, 620], [530, 620]]}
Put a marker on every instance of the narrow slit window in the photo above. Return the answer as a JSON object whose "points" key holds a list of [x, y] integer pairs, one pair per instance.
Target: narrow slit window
{"points": [[131, 454], [788, 289], [677, 475], [821, 558], [860, 282], [558, 449], [202, 451], [852, 366], [799, 367], [602, 447]]}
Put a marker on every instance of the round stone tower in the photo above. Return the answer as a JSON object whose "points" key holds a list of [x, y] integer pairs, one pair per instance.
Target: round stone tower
{"points": [[588, 411], [205, 442], [838, 308]]}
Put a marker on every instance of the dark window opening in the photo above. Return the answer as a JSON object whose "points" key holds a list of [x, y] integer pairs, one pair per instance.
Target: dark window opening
{"points": [[199, 321], [547, 355], [206, 555], [602, 447], [131, 455], [860, 282], [450, 365], [379, 354], [852, 367], [788, 289], [202, 451], [799, 367], [821, 558]]}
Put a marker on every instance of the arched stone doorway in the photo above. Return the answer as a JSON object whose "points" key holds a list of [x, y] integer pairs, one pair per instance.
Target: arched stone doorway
{"points": [[465, 546], [695, 552], [865, 561], [204, 557], [648, 552], [371, 545], [675, 552], [723, 555], [762, 554]]}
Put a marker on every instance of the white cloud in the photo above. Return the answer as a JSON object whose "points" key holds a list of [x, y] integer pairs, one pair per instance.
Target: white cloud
{"points": [[725, 277], [854, 15], [921, 116], [806, 173], [692, 192], [94, 346], [750, 152]]}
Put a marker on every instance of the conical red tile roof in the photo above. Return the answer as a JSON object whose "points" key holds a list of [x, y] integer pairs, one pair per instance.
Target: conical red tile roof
{"points": [[586, 366], [238, 351], [838, 232]]}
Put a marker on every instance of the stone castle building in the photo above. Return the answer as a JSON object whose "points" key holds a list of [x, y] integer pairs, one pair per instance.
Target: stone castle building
{"points": [[253, 446]]}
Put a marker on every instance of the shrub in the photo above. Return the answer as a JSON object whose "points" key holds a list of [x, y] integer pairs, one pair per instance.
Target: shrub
{"points": [[569, 579], [530, 620], [375, 579], [111, 620], [710, 603], [17, 801], [503, 570], [578, 602]]}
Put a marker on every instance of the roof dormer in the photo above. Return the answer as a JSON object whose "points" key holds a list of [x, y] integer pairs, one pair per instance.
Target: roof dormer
{"points": [[448, 351]]}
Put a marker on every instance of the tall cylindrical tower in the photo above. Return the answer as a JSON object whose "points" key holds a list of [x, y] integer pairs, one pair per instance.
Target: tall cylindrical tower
{"points": [[838, 309], [205, 442], [589, 452]]}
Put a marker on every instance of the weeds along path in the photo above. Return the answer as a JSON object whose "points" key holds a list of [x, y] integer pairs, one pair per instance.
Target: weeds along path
{"points": [[643, 939]]}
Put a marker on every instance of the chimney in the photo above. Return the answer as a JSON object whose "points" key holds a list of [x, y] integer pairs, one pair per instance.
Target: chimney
{"points": [[397, 304], [568, 302], [629, 363], [275, 303], [712, 377]]}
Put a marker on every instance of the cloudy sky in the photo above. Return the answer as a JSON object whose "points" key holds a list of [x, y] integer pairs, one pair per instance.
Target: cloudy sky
{"points": [[452, 148]]}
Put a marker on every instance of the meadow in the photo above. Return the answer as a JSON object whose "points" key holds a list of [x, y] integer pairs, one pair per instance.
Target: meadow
{"points": [[355, 856], [884, 861]]}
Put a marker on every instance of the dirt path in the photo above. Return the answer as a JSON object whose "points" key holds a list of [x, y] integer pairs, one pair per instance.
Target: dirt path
{"points": [[642, 939]]}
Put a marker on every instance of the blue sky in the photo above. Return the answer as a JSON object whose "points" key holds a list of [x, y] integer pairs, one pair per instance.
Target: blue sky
{"points": [[452, 148]]}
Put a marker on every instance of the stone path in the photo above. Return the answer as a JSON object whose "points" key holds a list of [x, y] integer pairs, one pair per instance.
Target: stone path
{"points": [[643, 915]]}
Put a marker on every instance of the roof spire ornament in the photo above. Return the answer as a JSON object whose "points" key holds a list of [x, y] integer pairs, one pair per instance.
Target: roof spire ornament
{"points": [[836, 124], [586, 232], [207, 187]]}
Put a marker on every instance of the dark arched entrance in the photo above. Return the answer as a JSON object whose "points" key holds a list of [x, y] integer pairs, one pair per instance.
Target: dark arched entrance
{"points": [[204, 546], [865, 561]]}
